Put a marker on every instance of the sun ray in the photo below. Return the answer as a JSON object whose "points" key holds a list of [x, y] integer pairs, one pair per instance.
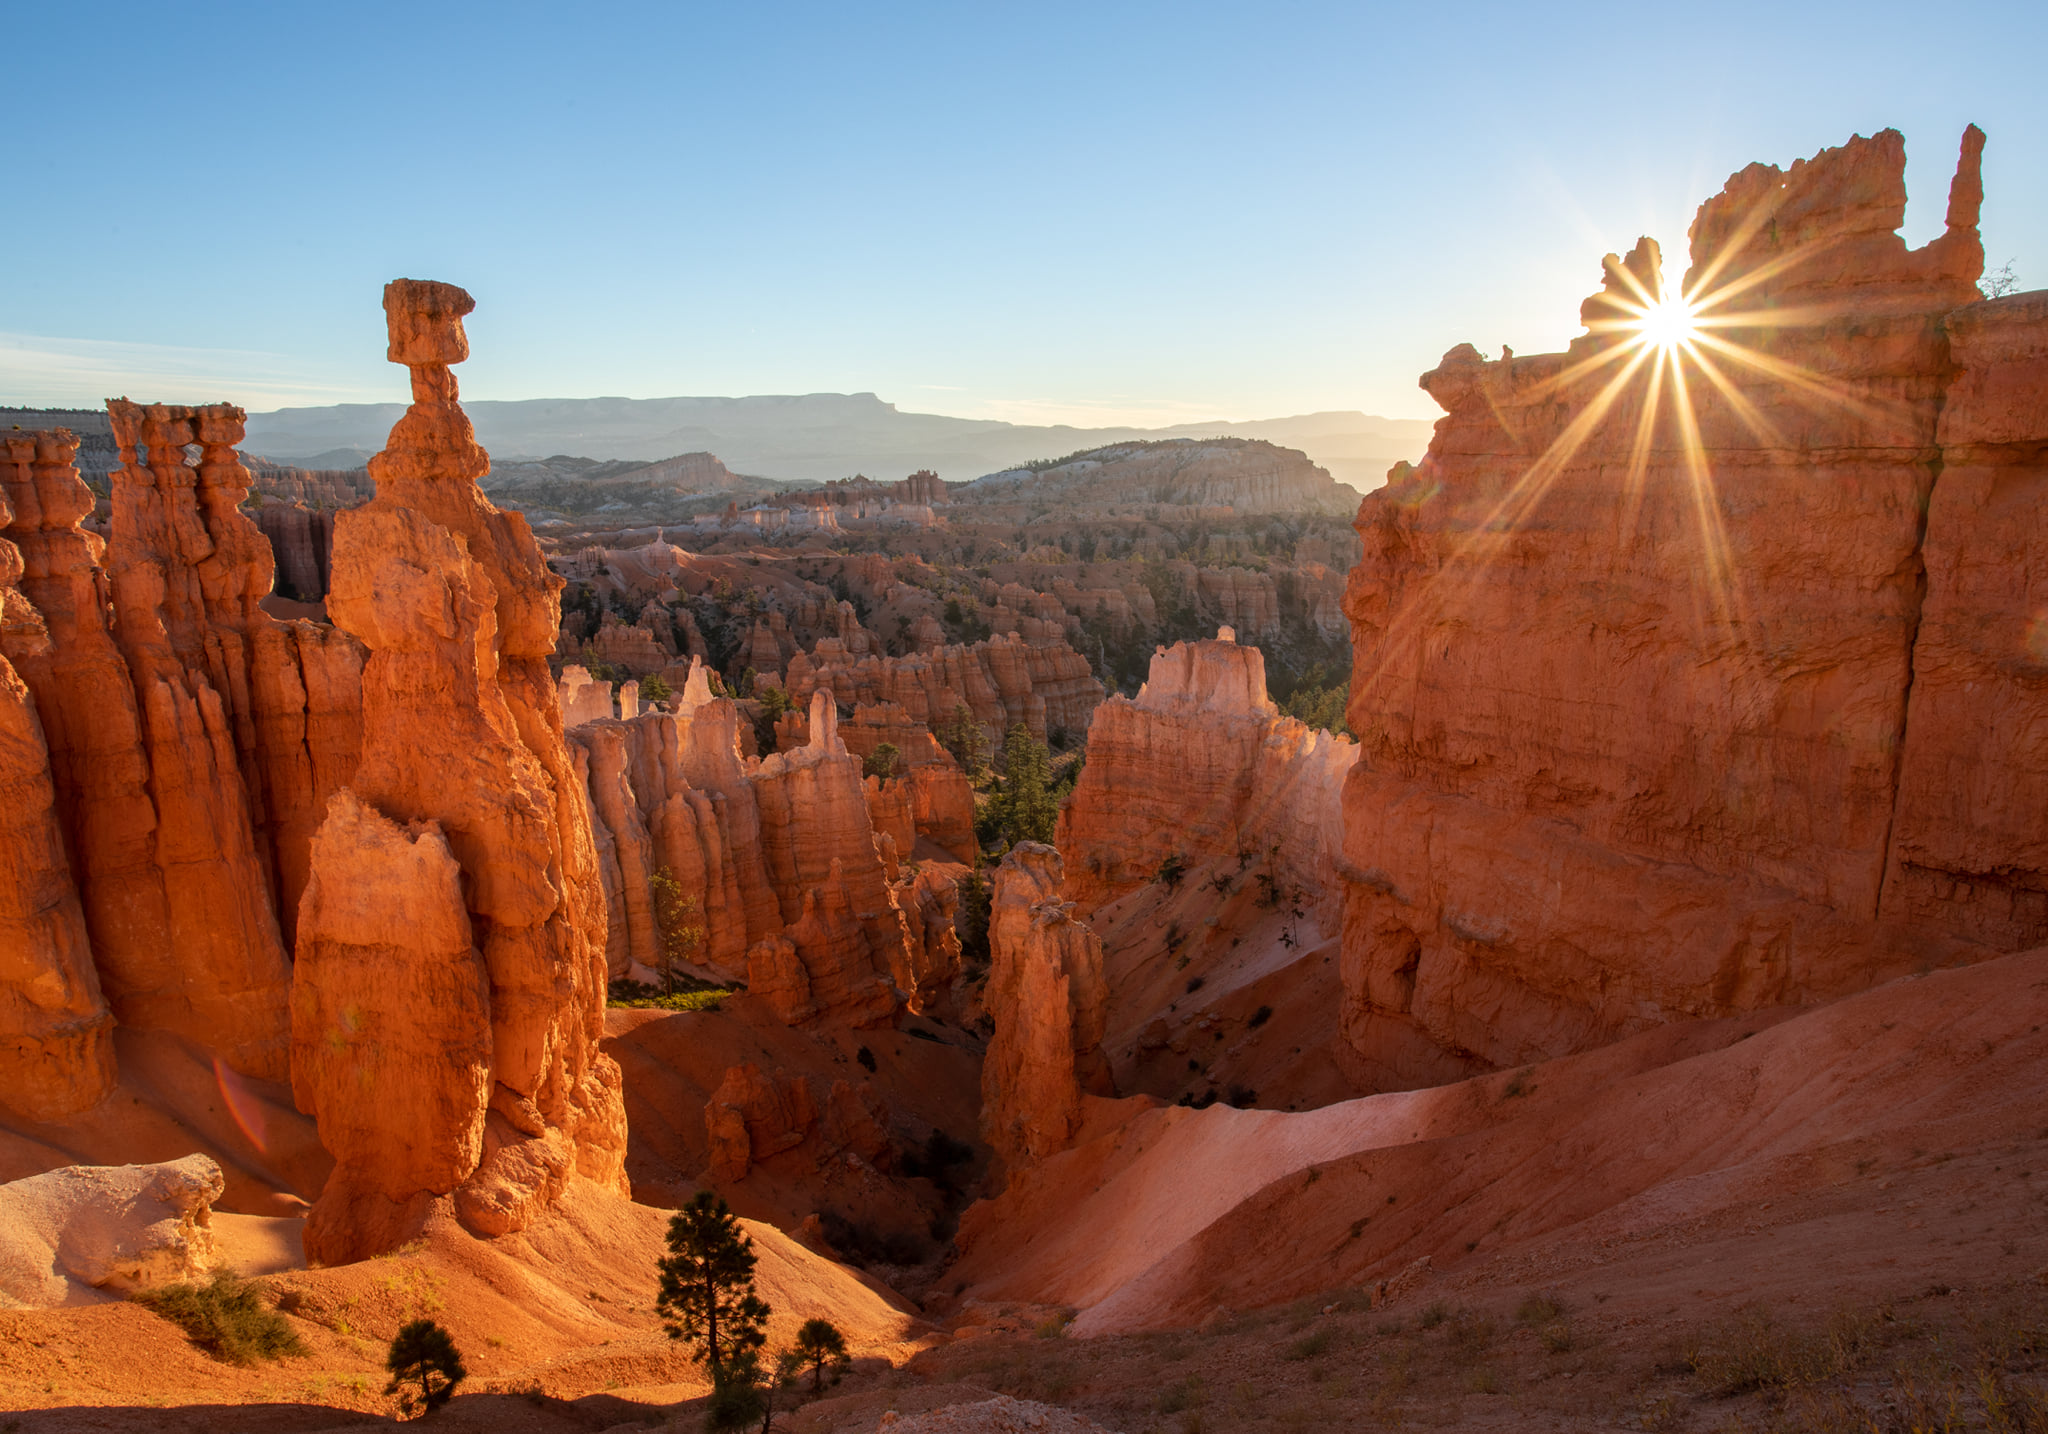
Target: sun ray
{"points": [[1466, 563], [1734, 243], [1635, 487], [1799, 377], [1662, 349], [1751, 416]]}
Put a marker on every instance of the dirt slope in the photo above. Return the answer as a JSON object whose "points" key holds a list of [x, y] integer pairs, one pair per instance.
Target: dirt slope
{"points": [[1158, 1223], [559, 1312]]}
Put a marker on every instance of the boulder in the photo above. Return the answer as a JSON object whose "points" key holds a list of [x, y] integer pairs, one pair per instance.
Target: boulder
{"points": [[85, 1234]]}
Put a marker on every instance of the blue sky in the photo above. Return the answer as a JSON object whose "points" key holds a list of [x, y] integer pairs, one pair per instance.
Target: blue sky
{"points": [[1043, 212]]}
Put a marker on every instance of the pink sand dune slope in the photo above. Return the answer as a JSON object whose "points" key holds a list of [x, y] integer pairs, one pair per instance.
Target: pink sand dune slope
{"points": [[1177, 1212]]}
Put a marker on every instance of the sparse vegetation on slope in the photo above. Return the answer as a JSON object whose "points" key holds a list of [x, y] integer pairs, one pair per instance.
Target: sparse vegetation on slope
{"points": [[228, 1317]]}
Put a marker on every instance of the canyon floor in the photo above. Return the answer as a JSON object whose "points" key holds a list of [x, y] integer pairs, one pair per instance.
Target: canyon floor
{"points": [[1576, 1333], [1875, 1238]]}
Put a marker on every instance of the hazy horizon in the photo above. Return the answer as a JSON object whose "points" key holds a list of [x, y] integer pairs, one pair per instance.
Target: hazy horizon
{"points": [[1142, 218]]}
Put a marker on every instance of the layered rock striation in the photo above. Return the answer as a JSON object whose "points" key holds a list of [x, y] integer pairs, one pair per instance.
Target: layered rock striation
{"points": [[192, 739], [1003, 681], [448, 993], [1201, 767], [1692, 679], [791, 883], [1047, 995], [56, 1034]]}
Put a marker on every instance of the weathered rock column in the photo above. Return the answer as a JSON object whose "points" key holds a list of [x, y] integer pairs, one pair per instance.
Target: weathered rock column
{"points": [[56, 1036], [451, 963], [1050, 1003]]}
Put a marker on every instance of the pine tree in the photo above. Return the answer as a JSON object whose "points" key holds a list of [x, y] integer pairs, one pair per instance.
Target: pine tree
{"points": [[677, 923], [707, 1284], [1028, 810], [423, 1357], [962, 736], [819, 1344]]}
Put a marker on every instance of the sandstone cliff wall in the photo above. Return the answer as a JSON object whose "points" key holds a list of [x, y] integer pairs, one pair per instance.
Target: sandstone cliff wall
{"points": [[1201, 765], [1661, 656], [1002, 681], [56, 1034], [193, 740], [797, 885]]}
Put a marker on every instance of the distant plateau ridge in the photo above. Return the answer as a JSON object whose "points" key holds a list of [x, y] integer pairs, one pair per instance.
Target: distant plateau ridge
{"points": [[811, 438]]}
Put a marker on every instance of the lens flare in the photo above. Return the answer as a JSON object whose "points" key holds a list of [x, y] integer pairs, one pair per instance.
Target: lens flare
{"points": [[1668, 323], [242, 1105], [1671, 365]]}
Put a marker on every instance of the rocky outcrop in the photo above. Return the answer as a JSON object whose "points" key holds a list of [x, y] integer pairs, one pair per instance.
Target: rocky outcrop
{"points": [[1201, 766], [1246, 474], [1002, 681], [186, 571], [1969, 844], [56, 1036], [753, 1117], [1692, 681], [448, 993], [1047, 995], [888, 801], [820, 852], [670, 792], [581, 698], [193, 741], [942, 810], [797, 882], [85, 1234]]}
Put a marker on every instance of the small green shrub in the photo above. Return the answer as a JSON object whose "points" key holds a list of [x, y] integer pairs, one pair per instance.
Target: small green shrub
{"points": [[1541, 1309], [227, 1318], [1753, 1352], [821, 1347], [425, 1367], [647, 998], [1311, 1346]]}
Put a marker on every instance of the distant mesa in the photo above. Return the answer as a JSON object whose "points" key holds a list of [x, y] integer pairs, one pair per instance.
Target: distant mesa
{"points": [[1246, 474], [813, 438]]}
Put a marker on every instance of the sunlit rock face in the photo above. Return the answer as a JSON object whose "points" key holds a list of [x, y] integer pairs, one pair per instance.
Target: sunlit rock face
{"points": [[788, 865], [1201, 765], [448, 992], [56, 1035], [193, 741], [1662, 653]]}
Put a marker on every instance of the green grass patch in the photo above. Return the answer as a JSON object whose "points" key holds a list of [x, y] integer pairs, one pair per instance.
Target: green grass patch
{"points": [[695, 995], [227, 1318]]}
